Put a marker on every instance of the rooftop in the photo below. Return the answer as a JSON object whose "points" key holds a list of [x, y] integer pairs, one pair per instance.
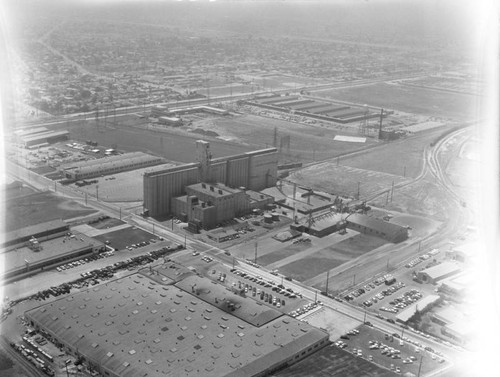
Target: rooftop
{"points": [[442, 269], [134, 326], [52, 248], [406, 314], [390, 229], [33, 230]]}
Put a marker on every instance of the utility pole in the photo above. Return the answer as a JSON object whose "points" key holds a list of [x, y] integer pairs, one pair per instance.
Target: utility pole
{"points": [[327, 278], [358, 190], [153, 229], [255, 261], [364, 319], [97, 192], [315, 296], [55, 186], [354, 279], [420, 365]]}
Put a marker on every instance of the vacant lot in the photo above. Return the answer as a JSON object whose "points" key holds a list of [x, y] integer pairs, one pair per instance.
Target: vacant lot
{"points": [[36, 208], [408, 99], [331, 256], [119, 239], [331, 361], [344, 180], [403, 157]]}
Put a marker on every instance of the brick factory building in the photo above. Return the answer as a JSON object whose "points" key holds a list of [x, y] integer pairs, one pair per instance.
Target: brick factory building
{"points": [[163, 322], [254, 171], [210, 204]]}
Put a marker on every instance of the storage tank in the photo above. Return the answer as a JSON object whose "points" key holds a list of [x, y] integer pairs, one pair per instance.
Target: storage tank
{"points": [[268, 219], [275, 216]]}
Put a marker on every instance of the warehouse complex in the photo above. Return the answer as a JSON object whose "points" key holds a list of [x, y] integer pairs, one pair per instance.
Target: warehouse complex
{"points": [[254, 171], [111, 165], [148, 324]]}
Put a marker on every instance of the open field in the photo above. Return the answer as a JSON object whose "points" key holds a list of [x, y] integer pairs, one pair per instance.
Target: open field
{"points": [[330, 257], [408, 99], [307, 142], [40, 207], [331, 361], [403, 157], [343, 180]]}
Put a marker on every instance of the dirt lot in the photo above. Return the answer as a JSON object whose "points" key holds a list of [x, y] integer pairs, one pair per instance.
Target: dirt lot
{"points": [[36, 208], [343, 180], [330, 257], [408, 99]]}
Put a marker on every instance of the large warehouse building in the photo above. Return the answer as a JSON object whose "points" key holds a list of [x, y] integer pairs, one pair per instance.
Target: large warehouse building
{"points": [[254, 170], [145, 324], [111, 165]]}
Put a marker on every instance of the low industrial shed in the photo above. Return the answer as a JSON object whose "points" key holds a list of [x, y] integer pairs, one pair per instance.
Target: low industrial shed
{"points": [[376, 227], [434, 274]]}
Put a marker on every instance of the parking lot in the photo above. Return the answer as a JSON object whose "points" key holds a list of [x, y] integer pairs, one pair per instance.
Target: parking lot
{"points": [[398, 353], [389, 299]]}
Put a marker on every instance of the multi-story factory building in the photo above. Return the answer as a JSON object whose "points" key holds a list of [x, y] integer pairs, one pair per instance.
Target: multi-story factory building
{"points": [[254, 171]]}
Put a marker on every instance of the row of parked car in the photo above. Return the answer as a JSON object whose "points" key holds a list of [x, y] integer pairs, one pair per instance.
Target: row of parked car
{"points": [[304, 309], [386, 292], [406, 299], [141, 244], [279, 288], [82, 261]]}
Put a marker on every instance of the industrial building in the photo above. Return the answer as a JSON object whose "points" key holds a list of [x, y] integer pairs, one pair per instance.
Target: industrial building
{"points": [[376, 227], [170, 121], [46, 230], [163, 111], [207, 205], [320, 225], [254, 171], [439, 272], [144, 325], [110, 165], [47, 251], [421, 306], [41, 136]]}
